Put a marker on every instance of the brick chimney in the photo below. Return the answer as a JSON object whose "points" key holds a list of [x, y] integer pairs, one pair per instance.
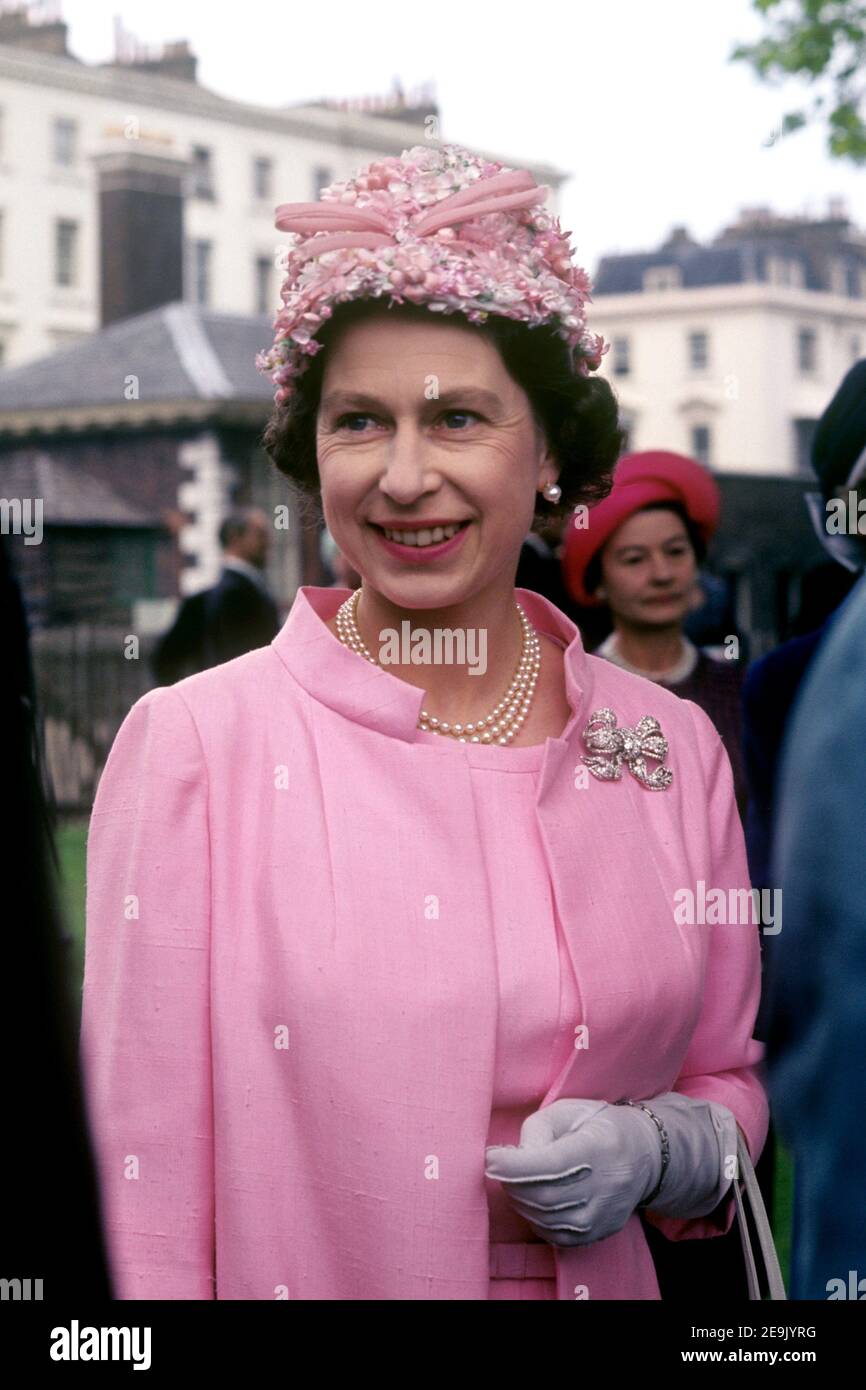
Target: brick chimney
{"points": [[679, 239], [141, 196], [18, 30], [416, 107], [173, 60]]}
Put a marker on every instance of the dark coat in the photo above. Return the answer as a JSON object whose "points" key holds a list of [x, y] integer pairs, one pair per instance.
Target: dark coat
{"points": [[46, 1163], [215, 625], [769, 692], [816, 977]]}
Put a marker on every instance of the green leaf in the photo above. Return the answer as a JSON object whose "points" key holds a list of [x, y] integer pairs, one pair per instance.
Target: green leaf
{"points": [[815, 40]]}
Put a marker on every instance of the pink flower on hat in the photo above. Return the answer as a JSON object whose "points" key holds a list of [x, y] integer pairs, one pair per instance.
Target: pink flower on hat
{"points": [[438, 226]]}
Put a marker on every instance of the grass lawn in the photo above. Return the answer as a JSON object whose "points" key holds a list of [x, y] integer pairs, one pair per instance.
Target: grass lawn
{"points": [[71, 844]]}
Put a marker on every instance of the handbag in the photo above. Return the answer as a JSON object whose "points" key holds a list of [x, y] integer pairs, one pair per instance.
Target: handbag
{"points": [[746, 1189]]}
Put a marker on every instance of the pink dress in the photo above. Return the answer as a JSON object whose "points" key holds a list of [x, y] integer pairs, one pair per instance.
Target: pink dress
{"points": [[538, 998], [294, 1059]]}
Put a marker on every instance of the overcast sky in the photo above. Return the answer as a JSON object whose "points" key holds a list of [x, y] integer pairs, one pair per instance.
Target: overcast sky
{"points": [[635, 99]]}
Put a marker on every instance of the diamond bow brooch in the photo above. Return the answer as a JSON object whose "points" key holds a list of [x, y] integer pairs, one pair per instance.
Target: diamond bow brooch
{"points": [[611, 747]]}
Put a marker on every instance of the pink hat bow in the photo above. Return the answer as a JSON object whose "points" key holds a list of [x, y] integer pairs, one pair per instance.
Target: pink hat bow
{"points": [[365, 226]]}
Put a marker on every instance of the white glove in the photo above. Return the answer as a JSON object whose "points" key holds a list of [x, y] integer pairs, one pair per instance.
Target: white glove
{"points": [[583, 1166]]}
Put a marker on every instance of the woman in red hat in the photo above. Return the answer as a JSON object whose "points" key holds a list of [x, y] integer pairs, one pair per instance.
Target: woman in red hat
{"points": [[639, 553]]}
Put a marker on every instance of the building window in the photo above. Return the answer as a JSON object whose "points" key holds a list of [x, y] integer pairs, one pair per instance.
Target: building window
{"points": [[621, 357], [202, 172], [699, 351], [807, 349], [838, 277], [202, 256], [322, 176], [804, 435], [65, 252], [263, 170], [662, 277], [65, 140], [264, 265], [783, 270], [701, 443]]}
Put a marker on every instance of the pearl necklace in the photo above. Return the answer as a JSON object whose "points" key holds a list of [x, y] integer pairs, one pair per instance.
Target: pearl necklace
{"points": [[504, 722]]}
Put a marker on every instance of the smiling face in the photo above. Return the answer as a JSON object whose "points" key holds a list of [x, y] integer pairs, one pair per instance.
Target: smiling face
{"points": [[649, 570], [421, 429]]}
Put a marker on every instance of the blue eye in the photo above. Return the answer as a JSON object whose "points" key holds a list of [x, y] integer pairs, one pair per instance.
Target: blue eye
{"points": [[464, 414], [350, 420], [341, 422]]}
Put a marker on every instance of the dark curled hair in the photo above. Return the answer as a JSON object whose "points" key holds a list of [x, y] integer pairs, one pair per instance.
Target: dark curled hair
{"points": [[592, 576], [578, 414]]}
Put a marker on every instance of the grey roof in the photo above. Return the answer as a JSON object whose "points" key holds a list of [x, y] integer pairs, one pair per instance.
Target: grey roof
{"points": [[69, 495], [699, 265], [178, 352], [737, 258]]}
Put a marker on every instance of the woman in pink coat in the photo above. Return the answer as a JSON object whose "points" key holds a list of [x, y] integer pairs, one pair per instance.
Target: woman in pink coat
{"points": [[400, 982]]}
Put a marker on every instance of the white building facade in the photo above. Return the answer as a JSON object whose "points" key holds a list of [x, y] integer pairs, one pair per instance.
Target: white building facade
{"points": [[735, 372], [243, 160]]}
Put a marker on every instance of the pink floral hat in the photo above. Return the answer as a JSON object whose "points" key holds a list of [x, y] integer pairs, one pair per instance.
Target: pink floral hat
{"points": [[441, 227]]}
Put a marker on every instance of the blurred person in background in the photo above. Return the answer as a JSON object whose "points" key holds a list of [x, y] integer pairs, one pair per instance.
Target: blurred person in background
{"points": [[338, 567], [539, 567], [234, 616], [771, 684], [52, 1227], [807, 757], [639, 554], [822, 589], [712, 619]]}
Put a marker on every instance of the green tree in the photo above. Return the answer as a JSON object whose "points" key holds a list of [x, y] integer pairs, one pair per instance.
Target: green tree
{"points": [[824, 42]]}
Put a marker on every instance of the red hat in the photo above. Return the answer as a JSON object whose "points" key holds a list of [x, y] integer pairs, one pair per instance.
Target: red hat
{"points": [[655, 475]]}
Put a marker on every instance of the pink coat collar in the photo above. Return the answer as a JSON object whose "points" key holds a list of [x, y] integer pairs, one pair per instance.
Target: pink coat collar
{"points": [[371, 695]]}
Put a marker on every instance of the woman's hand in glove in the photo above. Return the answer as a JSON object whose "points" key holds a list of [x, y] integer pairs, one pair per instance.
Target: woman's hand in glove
{"points": [[580, 1170], [583, 1166]]}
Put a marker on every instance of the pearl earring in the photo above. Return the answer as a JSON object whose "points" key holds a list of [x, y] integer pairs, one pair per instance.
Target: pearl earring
{"points": [[552, 491]]}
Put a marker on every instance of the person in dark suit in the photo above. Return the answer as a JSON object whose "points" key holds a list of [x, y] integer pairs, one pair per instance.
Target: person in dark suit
{"points": [[539, 568], [53, 1243], [816, 973], [773, 683], [234, 616], [802, 704]]}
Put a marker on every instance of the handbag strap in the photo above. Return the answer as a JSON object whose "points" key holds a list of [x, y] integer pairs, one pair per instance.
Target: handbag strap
{"points": [[752, 1191]]}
